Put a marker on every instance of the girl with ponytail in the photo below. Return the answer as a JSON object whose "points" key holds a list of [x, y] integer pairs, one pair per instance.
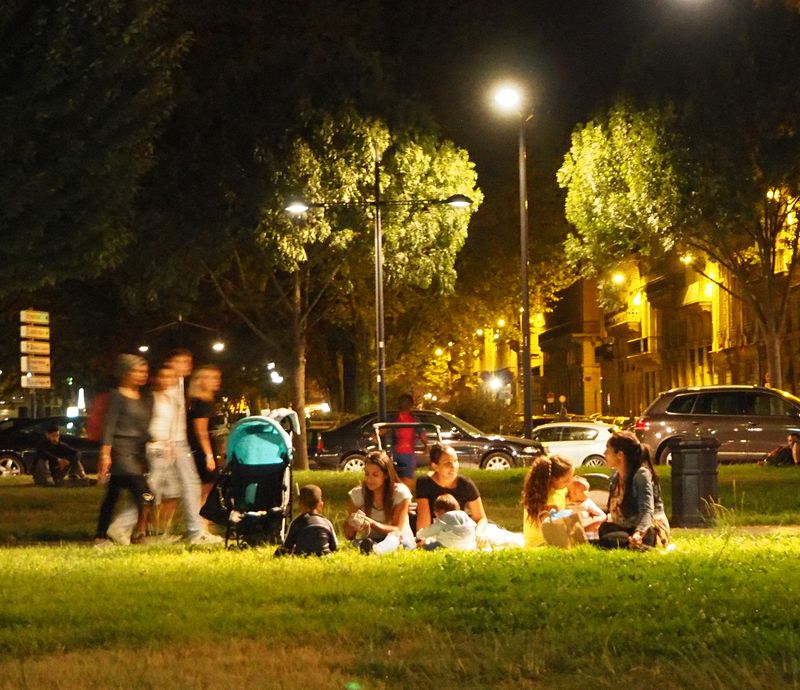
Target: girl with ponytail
{"points": [[545, 488], [635, 509]]}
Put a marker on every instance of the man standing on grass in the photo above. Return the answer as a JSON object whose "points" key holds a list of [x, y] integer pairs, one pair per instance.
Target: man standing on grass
{"points": [[404, 440], [196, 533]]}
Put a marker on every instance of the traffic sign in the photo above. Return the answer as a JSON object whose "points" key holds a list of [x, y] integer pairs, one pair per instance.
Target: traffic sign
{"points": [[36, 381], [34, 347], [34, 364], [40, 332], [551, 397], [40, 318]]}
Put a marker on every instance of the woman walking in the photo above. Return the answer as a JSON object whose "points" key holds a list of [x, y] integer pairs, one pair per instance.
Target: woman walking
{"points": [[122, 455]]}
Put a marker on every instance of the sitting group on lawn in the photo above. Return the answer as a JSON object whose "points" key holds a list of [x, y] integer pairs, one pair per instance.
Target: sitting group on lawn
{"points": [[450, 512]]}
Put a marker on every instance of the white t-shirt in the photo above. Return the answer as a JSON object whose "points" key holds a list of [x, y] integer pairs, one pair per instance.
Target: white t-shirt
{"points": [[453, 529], [400, 493]]}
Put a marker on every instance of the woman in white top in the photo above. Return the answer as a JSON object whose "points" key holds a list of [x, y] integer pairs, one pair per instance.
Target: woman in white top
{"points": [[378, 508], [161, 458]]}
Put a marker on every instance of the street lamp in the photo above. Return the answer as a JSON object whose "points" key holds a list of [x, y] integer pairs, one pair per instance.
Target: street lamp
{"points": [[217, 346], [298, 206], [509, 99]]}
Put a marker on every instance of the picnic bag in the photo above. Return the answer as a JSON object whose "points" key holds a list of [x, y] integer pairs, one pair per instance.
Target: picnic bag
{"points": [[563, 529]]}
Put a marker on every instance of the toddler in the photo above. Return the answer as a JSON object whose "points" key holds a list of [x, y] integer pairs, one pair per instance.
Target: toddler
{"points": [[452, 528], [310, 534], [578, 499]]}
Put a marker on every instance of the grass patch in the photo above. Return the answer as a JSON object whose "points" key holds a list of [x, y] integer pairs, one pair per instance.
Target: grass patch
{"points": [[717, 612], [750, 494]]}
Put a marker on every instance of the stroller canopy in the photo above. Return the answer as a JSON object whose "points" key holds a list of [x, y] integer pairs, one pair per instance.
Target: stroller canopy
{"points": [[259, 441]]}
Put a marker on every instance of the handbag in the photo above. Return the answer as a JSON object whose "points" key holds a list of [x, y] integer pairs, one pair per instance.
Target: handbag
{"points": [[217, 507], [563, 529]]}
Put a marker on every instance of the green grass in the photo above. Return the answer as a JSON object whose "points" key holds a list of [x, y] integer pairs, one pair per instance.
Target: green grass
{"points": [[717, 612], [753, 496]]}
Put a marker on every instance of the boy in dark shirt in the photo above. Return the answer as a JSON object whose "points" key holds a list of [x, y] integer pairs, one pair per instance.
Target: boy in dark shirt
{"points": [[310, 533], [61, 459]]}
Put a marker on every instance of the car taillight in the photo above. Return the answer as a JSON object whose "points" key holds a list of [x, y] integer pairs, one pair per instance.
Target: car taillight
{"points": [[642, 424], [320, 444]]}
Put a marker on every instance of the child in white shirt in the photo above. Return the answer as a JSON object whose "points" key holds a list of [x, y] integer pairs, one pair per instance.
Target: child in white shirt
{"points": [[452, 528]]}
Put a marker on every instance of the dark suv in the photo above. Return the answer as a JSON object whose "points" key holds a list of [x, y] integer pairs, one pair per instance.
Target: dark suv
{"points": [[748, 421]]}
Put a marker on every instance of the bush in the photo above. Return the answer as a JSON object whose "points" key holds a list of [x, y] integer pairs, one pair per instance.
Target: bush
{"points": [[485, 412]]}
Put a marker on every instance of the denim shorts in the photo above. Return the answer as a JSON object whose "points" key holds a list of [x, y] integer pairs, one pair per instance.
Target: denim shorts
{"points": [[406, 464]]}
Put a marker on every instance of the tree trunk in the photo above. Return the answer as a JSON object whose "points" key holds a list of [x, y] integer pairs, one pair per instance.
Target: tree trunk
{"points": [[298, 377], [772, 341]]}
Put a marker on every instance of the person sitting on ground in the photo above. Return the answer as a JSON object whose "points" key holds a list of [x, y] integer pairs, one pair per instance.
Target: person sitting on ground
{"points": [[61, 460], [452, 528], [545, 489], [578, 500], [444, 479], [378, 508], [635, 510], [784, 456], [310, 534]]}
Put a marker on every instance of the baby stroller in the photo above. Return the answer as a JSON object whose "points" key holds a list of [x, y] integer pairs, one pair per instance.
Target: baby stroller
{"points": [[252, 498]]}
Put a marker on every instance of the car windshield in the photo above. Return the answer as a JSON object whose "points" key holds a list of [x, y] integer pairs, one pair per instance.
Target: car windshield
{"points": [[790, 397], [461, 424]]}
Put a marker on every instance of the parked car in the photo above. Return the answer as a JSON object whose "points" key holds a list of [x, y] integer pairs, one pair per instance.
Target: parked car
{"points": [[582, 443], [19, 441], [345, 447], [748, 421]]}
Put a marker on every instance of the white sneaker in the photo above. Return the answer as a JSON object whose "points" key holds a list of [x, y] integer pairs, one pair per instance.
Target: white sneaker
{"points": [[206, 539]]}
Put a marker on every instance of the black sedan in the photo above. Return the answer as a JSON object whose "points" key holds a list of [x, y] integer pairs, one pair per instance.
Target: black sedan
{"points": [[20, 439], [346, 446]]}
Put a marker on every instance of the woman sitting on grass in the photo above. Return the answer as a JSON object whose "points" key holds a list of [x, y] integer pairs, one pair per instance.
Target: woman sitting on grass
{"points": [[444, 479], [635, 510], [378, 508], [545, 489]]}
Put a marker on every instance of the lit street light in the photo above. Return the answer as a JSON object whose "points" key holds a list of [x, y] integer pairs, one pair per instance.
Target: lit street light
{"points": [[298, 206], [510, 100]]}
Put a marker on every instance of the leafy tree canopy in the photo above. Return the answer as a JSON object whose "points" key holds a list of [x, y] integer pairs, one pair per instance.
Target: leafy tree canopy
{"points": [[86, 88]]}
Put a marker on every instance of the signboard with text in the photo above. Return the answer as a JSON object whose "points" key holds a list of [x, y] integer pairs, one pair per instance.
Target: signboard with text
{"points": [[34, 331], [39, 318], [36, 381]]}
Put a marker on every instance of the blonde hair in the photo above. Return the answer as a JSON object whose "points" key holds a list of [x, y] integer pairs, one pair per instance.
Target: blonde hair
{"points": [[196, 382]]}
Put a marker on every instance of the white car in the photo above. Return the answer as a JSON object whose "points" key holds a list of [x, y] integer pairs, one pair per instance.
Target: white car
{"points": [[582, 443]]}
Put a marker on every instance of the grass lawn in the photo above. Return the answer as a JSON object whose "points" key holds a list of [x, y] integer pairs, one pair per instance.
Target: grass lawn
{"points": [[720, 611]]}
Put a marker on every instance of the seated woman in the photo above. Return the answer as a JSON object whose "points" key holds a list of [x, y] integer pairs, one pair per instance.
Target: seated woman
{"points": [[545, 489], [378, 508], [635, 509], [444, 479]]}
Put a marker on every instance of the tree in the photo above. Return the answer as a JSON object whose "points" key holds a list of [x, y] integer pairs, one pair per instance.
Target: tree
{"points": [[713, 165], [86, 89], [285, 276]]}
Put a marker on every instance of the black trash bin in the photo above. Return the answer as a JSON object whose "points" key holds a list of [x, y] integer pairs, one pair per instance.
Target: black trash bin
{"points": [[694, 481]]}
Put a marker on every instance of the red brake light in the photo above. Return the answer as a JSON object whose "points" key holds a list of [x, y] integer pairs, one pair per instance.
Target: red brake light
{"points": [[642, 424], [320, 444]]}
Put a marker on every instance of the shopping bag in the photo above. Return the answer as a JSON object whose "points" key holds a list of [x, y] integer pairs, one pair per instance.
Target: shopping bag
{"points": [[563, 529]]}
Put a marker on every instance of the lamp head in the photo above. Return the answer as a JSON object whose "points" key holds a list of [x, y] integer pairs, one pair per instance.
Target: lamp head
{"points": [[297, 206], [458, 201], [508, 99]]}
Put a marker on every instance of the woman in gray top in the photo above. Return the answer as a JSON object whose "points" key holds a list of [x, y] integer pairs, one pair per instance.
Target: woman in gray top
{"points": [[635, 511], [122, 456]]}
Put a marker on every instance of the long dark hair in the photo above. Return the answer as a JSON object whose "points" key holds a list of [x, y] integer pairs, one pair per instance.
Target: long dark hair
{"points": [[537, 483], [380, 459], [636, 455]]}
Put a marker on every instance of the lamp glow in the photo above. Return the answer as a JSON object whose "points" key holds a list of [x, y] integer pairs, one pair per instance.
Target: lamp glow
{"points": [[297, 206], [507, 98]]}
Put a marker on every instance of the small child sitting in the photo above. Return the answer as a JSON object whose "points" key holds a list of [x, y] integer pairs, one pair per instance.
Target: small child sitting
{"points": [[578, 499], [310, 533], [452, 528]]}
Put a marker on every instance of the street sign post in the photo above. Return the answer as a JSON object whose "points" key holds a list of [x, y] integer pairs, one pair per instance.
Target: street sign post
{"points": [[34, 331]]}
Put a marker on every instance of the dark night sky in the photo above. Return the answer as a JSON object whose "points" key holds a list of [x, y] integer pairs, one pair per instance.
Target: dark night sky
{"points": [[571, 54]]}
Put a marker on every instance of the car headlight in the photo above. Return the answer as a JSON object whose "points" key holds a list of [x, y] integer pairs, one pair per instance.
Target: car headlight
{"points": [[531, 449]]}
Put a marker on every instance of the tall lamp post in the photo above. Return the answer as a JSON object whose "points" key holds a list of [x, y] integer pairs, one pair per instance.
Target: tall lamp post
{"points": [[377, 203], [509, 100]]}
